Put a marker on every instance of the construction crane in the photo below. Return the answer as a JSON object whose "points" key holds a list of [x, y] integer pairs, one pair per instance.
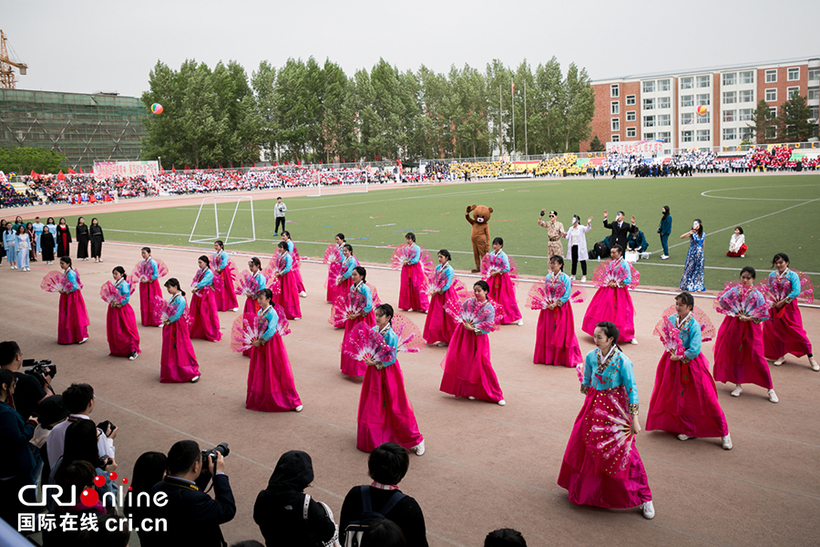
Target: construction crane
{"points": [[7, 79]]}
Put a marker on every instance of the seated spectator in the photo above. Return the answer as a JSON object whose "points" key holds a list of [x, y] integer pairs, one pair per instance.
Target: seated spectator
{"points": [[737, 244], [16, 461], [384, 533], [75, 476], [51, 411], [284, 513], [81, 445], [505, 537], [149, 470], [79, 400], [387, 466], [637, 242]]}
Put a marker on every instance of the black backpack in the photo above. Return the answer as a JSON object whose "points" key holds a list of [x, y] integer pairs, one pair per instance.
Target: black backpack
{"points": [[356, 529], [599, 250]]}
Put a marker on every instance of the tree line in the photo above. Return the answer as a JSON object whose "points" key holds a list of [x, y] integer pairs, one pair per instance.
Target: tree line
{"points": [[308, 112]]}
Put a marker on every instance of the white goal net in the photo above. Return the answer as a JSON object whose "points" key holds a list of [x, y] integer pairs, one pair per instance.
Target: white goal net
{"points": [[232, 220]]}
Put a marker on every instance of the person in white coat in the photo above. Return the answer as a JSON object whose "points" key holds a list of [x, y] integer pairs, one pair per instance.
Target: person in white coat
{"points": [[576, 234]]}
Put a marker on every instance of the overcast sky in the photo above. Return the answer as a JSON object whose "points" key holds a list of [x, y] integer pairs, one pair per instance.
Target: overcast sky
{"points": [[86, 46]]}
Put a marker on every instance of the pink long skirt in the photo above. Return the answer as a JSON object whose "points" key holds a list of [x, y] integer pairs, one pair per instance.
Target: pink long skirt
{"points": [[251, 307], [148, 292], [297, 275], [739, 354], [617, 480], [684, 400], [330, 284], [784, 333], [225, 295], [121, 329], [385, 411], [334, 290], [615, 305], [468, 371], [178, 360], [205, 320], [350, 366], [72, 323], [288, 297], [412, 295], [270, 380], [440, 325], [502, 291], [555, 340]]}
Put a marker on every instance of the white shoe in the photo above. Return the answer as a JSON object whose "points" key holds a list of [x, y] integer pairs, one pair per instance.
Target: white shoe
{"points": [[683, 437], [296, 319], [133, 356], [648, 510], [736, 392], [664, 257], [520, 322], [196, 378], [742, 256], [727, 442], [584, 279], [235, 309], [780, 361], [634, 342], [471, 398], [502, 402], [83, 340], [299, 408], [303, 294], [419, 449], [773, 396], [814, 366]]}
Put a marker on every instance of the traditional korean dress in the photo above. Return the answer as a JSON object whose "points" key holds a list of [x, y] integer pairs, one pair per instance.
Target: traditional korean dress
{"points": [[72, 325], [270, 379], [602, 467], [224, 292], [297, 270], [440, 325], [613, 303], [502, 291], [205, 320], [331, 278], [350, 366], [385, 411], [784, 332], [555, 340], [692, 279], [412, 295], [178, 361], [348, 264], [149, 292], [289, 295], [121, 324]]}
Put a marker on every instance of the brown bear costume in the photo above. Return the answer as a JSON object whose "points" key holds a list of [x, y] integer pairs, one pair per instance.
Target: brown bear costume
{"points": [[480, 234]]}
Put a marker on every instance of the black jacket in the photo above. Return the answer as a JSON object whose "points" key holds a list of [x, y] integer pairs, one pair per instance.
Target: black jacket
{"points": [[406, 514], [619, 233]]}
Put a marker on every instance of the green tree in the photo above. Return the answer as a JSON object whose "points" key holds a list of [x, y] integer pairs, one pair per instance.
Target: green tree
{"points": [[579, 108], [794, 123], [763, 124], [546, 118], [595, 145], [25, 159], [263, 82]]}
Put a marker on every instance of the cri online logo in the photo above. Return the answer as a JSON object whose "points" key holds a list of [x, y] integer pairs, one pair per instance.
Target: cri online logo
{"points": [[88, 497]]}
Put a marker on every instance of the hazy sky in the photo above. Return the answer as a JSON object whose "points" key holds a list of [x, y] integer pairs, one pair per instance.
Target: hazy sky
{"points": [[90, 45]]}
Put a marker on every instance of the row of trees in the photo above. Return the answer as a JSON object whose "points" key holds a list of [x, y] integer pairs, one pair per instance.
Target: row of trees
{"points": [[309, 112], [25, 159], [791, 124]]}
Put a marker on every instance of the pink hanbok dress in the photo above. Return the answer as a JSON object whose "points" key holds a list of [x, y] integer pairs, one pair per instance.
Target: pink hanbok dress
{"points": [[271, 387], [178, 361], [121, 325], [555, 340], [72, 322], [224, 292], [204, 317], [613, 304]]}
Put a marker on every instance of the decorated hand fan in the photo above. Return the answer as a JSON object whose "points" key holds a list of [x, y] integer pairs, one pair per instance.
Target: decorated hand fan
{"points": [[368, 343], [111, 295], [777, 289], [611, 432], [246, 329], [613, 271], [332, 254], [707, 329], [54, 282], [493, 264], [283, 326], [410, 340], [739, 300], [246, 284], [143, 272], [276, 265], [472, 312]]}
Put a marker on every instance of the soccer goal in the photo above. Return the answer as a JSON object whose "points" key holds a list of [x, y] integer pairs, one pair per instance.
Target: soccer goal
{"points": [[334, 181], [239, 230]]}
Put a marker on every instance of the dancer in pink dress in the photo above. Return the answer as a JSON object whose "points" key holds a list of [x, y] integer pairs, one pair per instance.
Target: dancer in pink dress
{"points": [[177, 361], [385, 411], [601, 465], [361, 311], [249, 285], [684, 399], [612, 301], [297, 269], [412, 295], [784, 332], [444, 289], [288, 296], [224, 267], [468, 371], [204, 318], [72, 325], [555, 340], [147, 274], [270, 379], [739, 345], [121, 322], [497, 271], [334, 254]]}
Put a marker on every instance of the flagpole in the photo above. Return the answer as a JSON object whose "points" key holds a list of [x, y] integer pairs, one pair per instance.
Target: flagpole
{"points": [[512, 152], [500, 141], [526, 144]]}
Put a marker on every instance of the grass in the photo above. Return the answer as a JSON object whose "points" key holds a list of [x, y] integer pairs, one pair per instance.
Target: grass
{"points": [[778, 214]]}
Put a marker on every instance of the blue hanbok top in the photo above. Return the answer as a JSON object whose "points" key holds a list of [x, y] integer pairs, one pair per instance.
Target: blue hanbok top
{"points": [[623, 265], [124, 289], [416, 254], [71, 275], [391, 339], [365, 290], [448, 273], [260, 281], [178, 301], [689, 334], [794, 280], [269, 314], [220, 260], [154, 268], [504, 258], [290, 246], [207, 279], [288, 263], [563, 279], [349, 263], [617, 371]]}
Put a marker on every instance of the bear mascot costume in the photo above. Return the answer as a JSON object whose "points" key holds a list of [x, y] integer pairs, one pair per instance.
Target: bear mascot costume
{"points": [[480, 234]]}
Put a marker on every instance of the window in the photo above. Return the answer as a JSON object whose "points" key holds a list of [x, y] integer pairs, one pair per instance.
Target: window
{"points": [[746, 133], [630, 116], [686, 118], [729, 97], [686, 136], [614, 107], [686, 83], [814, 94], [614, 90], [771, 95], [815, 112], [649, 87], [814, 74], [663, 85], [747, 77], [773, 111], [771, 76], [703, 81], [706, 118], [745, 114], [615, 138], [630, 132], [729, 133], [793, 74], [687, 100], [728, 115], [665, 136], [630, 100], [747, 96], [664, 102], [703, 135], [649, 136], [648, 104], [770, 132], [616, 124], [649, 121], [792, 92], [664, 119], [704, 99], [729, 78]]}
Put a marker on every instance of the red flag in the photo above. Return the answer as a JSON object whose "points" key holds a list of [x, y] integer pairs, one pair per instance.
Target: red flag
{"points": [[34, 174], [60, 175], [377, 158], [220, 165], [81, 170], [513, 87], [71, 171], [300, 162], [173, 169], [286, 162], [187, 168], [275, 164], [343, 160], [161, 170]]}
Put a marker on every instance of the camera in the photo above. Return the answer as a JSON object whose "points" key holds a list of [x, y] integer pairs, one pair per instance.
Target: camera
{"points": [[40, 369], [543, 212], [210, 454], [104, 427]]}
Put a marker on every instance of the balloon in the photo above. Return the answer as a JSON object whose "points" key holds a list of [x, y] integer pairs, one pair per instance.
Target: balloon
{"points": [[701, 110], [156, 108]]}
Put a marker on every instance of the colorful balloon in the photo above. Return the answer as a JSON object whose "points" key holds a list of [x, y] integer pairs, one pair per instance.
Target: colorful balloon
{"points": [[701, 110], [156, 108]]}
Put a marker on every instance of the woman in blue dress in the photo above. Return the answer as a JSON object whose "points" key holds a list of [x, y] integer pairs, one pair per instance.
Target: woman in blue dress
{"points": [[692, 279]]}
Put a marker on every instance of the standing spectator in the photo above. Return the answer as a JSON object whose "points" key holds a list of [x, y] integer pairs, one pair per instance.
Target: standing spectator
{"points": [[97, 239], [3, 224], [279, 211], [555, 231], [10, 245], [23, 245], [32, 246], [63, 238], [52, 228], [665, 229], [692, 279], [578, 245], [737, 245], [16, 461], [620, 229], [47, 244], [81, 231], [38, 231]]}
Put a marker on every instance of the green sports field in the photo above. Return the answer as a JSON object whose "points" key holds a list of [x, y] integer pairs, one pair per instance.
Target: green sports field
{"points": [[779, 213]]}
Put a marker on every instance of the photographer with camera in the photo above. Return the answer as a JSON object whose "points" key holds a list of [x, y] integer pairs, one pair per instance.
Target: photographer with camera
{"points": [[79, 400], [192, 516], [32, 386]]}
